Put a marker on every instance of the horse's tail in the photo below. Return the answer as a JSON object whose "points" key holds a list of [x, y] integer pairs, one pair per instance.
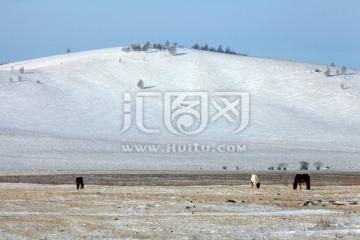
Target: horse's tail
{"points": [[308, 183]]}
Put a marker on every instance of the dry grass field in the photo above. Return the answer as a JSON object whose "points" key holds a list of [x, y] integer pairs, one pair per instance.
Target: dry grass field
{"points": [[186, 211]]}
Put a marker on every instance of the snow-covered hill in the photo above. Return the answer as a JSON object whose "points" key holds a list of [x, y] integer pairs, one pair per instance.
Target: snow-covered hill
{"points": [[70, 107]]}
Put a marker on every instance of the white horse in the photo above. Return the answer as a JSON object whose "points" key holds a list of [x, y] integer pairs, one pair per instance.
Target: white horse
{"points": [[255, 181]]}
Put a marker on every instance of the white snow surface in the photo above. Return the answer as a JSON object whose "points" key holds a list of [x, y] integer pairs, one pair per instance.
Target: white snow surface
{"points": [[73, 117]]}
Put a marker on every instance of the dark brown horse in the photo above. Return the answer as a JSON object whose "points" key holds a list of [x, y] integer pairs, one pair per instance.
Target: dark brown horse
{"points": [[301, 178], [79, 183]]}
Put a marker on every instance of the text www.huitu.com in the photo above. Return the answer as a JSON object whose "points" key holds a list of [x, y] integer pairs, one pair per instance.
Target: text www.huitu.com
{"points": [[182, 148]]}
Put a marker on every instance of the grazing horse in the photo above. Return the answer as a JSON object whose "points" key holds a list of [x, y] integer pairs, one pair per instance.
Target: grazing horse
{"points": [[79, 183], [301, 178], [255, 181]]}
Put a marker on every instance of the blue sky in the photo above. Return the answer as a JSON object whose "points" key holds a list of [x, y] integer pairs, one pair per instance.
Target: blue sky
{"points": [[314, 31]]}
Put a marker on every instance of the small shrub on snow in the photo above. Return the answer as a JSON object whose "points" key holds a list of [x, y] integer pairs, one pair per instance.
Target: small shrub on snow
{"points": [[140, 84]]}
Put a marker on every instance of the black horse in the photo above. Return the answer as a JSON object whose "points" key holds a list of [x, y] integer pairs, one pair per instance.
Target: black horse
{"points": [[301, 178], [79, 183]]}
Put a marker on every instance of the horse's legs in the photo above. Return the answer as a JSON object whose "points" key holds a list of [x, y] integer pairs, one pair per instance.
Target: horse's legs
{"points": [[77, 186], [300, 185], [252, 184], [82, 186]]}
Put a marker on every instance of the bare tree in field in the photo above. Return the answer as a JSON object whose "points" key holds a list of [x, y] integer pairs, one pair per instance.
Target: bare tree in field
{"points": [[318, 165], [147, 46], [228, 50], [285, 166], [126, 49], [282, 166], [327, 72], [343, 70], [196, 46], [220, 50], [304, 165], [172, 50]]}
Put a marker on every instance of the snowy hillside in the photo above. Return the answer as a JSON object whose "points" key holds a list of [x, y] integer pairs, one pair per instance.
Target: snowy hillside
{"points": [[70, 107]]}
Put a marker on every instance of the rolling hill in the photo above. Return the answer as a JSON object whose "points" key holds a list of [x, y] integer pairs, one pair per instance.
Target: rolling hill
{"points": [[66, 112]]}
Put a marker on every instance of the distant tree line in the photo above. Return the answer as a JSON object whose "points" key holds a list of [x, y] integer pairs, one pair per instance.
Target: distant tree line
{"points": [[219, 49], [303, 166], [328, 73], [171, 48]]}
